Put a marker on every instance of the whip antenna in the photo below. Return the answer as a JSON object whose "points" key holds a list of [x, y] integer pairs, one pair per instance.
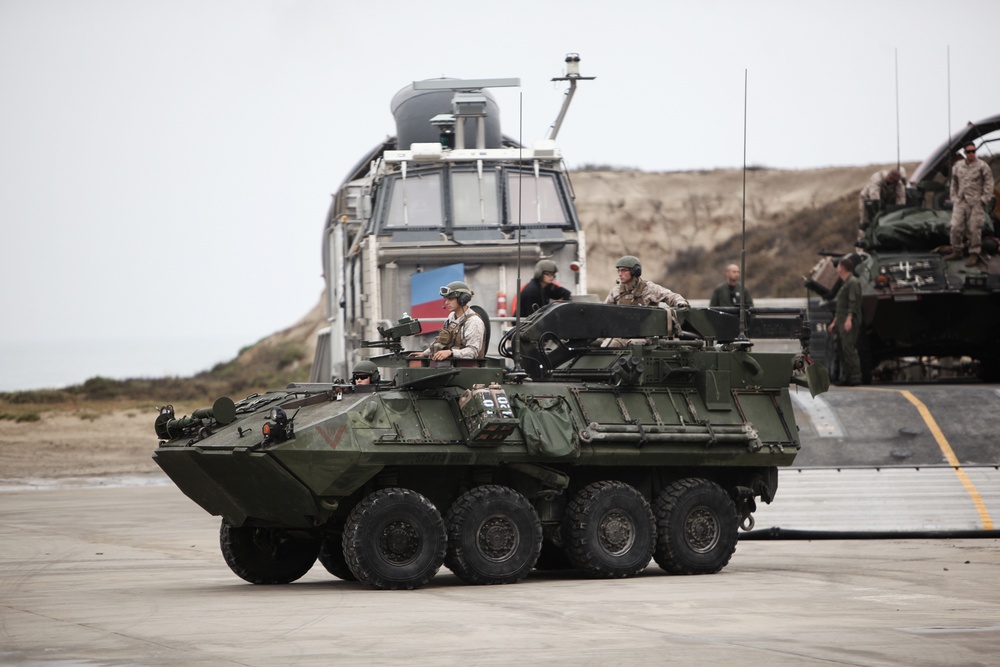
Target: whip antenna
{"points": [[948, 60], [898, 161], [520, 190], [743, 238]]}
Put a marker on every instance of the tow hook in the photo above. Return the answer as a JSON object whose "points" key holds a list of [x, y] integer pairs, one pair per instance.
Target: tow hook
{"points": [[745, 507]]}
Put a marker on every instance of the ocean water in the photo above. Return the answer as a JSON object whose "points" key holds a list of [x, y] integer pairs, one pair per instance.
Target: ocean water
{"points": [[56, 364]]}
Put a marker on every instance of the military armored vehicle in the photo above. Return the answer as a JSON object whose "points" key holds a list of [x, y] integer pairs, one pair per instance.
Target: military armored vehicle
{"points": [[923, 317], [448, 197], [580, 455]]}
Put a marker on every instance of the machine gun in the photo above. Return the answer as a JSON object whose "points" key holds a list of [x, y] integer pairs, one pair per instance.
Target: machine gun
{"points": [[222, 412], [392, 336]]}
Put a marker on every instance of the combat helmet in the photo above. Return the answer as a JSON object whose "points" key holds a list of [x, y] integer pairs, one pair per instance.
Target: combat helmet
{"points": [[630, 262], [366, 367], [545, 266], [456, 289]]}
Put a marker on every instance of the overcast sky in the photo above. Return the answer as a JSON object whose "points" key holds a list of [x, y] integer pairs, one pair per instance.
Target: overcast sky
{"points": [[165, 166]]}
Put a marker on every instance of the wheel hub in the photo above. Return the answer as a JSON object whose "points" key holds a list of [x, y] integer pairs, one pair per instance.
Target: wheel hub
{"points": [[399, 543], [267, 541], [616, 532], [497, 538], [701, 530]]}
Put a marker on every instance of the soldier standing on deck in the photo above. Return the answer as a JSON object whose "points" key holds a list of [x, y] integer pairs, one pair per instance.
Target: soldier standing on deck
{"points": [[847, 323], [971, 187]]}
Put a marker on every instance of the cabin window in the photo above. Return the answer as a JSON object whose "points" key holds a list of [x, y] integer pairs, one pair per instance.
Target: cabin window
{"points": [[415, 202], [540, 201], [474, 201]]}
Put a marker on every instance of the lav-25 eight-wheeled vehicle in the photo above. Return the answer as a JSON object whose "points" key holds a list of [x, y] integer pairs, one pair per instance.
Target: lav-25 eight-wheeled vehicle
{"points": [[582, 455]]}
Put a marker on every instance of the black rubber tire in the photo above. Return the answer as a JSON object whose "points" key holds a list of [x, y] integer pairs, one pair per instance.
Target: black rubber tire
{"points": [[395, 539], [494, 536], [266, 555], [331, 555], [697, 527], [609, 531]]}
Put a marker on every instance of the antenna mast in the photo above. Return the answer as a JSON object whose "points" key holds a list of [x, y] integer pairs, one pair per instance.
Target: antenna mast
{"points": [[572, 75], [520, 190], [948, 51], [898, 161], [743, 238]]}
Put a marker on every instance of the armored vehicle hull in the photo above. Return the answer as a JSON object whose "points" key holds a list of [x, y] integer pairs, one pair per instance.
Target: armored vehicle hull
{"points": [[596, 458]]}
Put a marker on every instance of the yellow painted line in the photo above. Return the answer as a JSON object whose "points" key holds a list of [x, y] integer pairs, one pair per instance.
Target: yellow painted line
{"points": [[949, 454]]}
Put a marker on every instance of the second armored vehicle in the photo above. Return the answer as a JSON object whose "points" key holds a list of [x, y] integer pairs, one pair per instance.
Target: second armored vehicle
{"points": [[923, 317]]}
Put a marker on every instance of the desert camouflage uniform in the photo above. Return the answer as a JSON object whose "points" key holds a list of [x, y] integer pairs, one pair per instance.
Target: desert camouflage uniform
{"points": [[463, 336], [971, 187], [644, 293], [849, 303], [878, 189]]}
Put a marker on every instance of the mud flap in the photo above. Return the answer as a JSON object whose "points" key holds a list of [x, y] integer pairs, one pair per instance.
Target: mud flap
{"points": [[808, 373], [817, 379], [547, 425]]}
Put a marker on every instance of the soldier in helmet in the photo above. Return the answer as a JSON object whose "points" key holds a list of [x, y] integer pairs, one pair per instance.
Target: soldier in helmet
{"points": [[365, 372], [541, 289], [464, 331], [632, 290]]}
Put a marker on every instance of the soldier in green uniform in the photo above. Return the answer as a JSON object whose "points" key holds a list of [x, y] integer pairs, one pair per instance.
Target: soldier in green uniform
{"points": [[727, 293], [847, 323]]}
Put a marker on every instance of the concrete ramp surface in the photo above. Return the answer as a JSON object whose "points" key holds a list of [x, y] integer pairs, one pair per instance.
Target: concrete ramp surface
{"points": [[906, 458]]}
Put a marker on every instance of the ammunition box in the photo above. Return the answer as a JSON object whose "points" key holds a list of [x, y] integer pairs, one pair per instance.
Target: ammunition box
{"points": [[487, 414]]}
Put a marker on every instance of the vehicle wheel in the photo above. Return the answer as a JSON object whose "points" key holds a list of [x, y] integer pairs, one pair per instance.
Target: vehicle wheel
{"points": [[395, 539], [266, 555], [331, 555], [696, 527], [494, 536], [609, 530]]}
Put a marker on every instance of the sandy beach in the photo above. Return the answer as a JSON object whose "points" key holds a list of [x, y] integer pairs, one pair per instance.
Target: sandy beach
{"points": [[78, 443]]}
